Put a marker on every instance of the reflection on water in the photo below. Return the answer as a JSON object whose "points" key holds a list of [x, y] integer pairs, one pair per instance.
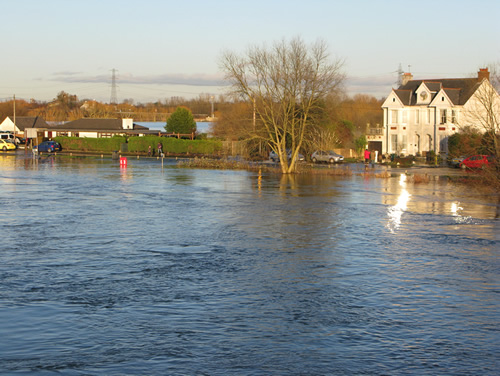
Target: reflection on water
{"points": [[151, 270], [395, 212]]}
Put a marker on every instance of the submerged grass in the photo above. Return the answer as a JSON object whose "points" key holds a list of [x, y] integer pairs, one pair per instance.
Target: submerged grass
{"points": [[418, 178], [486, 181], [224, 164], [234, 164]]}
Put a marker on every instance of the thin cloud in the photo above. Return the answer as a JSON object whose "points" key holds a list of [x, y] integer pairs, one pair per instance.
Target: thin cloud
{"points": [[165, 79], [377, 86]]}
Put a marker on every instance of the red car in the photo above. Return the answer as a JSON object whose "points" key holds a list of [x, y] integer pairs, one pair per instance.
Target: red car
{"points": [[477, 161]]}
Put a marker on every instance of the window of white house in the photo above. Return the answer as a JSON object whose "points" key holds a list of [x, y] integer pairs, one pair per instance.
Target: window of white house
{"points": [[429, 116], [394, 115], [453, 117], [405, 117], [417, 116], [443, 117], [394, 143]]}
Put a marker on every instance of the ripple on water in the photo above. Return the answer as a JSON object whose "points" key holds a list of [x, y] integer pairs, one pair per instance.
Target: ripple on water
{"points": [[169, 271]]}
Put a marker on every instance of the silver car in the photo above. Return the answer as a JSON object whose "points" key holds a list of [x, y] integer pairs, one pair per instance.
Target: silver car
{"points": [[326, 156]]}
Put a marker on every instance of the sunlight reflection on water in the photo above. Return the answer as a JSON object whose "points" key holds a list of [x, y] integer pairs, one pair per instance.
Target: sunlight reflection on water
{"points": [[395, 212]]}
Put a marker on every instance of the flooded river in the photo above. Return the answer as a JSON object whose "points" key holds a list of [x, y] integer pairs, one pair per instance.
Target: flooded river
{"points": [[151, 270]]}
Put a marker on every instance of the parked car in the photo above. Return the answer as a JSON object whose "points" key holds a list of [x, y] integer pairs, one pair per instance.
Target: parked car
{"points": [[275, 158], [326, 156], [6, 145], [49, 146], [455, 162], [477, 161]]}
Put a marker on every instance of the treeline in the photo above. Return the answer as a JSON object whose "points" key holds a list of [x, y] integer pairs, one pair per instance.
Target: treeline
{"points": [[347, 117], [67, 107]]}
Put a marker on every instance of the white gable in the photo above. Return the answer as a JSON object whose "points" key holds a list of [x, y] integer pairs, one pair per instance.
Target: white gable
{"points": [[441, 100], [424, 94], [392, 101], [8, 125]]}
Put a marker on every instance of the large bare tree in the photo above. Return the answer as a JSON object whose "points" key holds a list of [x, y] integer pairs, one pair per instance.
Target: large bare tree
{"points": [[284, 84]]}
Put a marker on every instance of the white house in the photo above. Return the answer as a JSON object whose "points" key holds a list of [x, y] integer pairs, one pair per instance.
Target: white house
{"points": [[22, 123], [420, 115]]}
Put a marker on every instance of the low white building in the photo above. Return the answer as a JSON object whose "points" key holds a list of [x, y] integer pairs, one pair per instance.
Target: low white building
{"points": [[420, 115], [98, 128], [22, 123]]}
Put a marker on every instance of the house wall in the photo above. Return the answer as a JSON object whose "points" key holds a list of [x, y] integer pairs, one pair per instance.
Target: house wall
{"points": [[88, 134], [128, 123], [482, 111], [8, 125]]}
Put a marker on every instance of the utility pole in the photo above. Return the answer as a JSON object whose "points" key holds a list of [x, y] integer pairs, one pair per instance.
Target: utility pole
{"points": [[113, 99], [14, 119], [212, 102]]}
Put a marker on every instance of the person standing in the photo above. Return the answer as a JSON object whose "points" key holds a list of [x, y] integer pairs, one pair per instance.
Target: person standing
{"points": [[149, 151], [367, 155], [160, 149]]}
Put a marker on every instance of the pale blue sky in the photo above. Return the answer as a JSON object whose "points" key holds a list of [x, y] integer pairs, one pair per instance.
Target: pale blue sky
{"points": [[169, 48]]}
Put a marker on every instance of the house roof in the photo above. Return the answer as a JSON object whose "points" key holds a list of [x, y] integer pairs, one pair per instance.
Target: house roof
{"points": [[98, 125], [459, 90], [23, 122]]}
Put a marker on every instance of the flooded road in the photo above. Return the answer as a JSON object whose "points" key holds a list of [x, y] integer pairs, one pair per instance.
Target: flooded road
{"points": [[168, 271]]}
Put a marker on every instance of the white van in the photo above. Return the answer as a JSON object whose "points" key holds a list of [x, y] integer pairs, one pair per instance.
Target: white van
{"points": [[9, 136]]}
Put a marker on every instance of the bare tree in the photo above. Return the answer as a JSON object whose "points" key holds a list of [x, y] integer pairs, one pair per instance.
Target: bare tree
{"points": [[284, 84], [483, 112]]}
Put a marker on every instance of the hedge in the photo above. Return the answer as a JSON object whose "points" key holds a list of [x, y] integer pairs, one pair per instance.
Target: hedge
{"points": [[140, 144], [174, 145], [91, 144]]}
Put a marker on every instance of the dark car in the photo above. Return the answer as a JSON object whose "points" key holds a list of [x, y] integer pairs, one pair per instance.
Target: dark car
{"points": [[49, 146], [275, 158], [477, 161]]}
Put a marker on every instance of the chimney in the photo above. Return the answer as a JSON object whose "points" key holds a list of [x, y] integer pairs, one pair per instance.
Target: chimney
{"points": [[406, 77], [128, 123], [482, 74]]}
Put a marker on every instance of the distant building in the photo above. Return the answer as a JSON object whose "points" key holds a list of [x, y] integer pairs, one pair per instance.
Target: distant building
{"points": [[420, 115], [22, 123], [99, 128]]}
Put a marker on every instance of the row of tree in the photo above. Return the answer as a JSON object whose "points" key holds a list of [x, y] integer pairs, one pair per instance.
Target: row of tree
{"points": [[67, 107]]}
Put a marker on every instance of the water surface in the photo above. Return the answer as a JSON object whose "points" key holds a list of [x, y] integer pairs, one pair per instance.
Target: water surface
{"points": [[151, 270]]}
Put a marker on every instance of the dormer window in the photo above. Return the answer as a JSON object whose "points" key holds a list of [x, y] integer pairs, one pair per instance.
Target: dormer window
{"points": [[394, 99], [442, 99], [423, 95]]}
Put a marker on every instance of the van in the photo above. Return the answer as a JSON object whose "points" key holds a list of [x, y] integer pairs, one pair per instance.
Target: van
{"points": [[9, 136]]}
